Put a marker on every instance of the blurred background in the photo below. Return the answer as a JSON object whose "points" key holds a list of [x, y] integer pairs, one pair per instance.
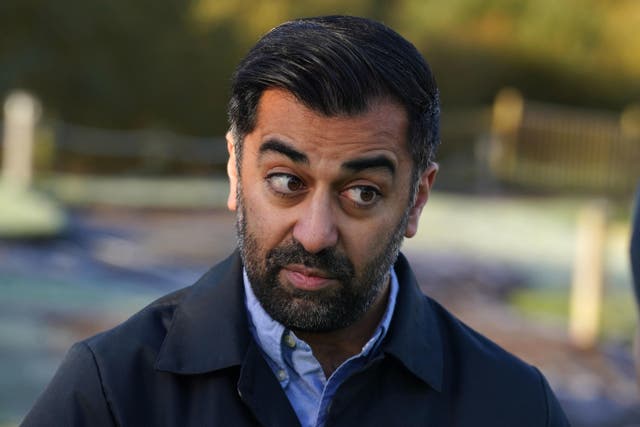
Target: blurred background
{"points": [[113, 186]]}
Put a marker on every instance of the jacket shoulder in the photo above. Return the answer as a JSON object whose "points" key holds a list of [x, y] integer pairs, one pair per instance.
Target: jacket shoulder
{"points": [[488, 379], [78, 394], [147, 327]]}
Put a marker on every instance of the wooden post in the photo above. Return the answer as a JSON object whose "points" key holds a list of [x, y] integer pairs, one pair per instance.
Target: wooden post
{"points": [[21, 113], [627, 163], [508, 109], [630, 122], [588, 276]]}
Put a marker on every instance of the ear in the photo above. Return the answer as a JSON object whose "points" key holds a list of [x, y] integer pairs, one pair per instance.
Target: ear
{"points": [[424, 189], [232, 172]]}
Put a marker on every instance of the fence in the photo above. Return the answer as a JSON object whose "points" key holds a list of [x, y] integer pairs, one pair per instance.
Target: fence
{"points": [[534, 145], [140, 152], [557, 148], [80, 165]]}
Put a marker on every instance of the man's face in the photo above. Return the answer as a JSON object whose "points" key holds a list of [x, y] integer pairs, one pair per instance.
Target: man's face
{"points": [[323, 204]]}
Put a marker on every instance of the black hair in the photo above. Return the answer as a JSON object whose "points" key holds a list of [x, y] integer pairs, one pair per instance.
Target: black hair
{"points": [[338, 65]]}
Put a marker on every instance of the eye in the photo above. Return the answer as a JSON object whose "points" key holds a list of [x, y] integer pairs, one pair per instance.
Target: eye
{"points": [[362, 195], [285, 184]]}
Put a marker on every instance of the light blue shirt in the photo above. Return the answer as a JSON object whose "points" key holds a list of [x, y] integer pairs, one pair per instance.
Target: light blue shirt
{"points": [[295, 366]]}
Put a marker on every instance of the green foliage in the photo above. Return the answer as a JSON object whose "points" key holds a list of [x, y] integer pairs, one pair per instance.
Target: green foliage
{"points": [[133, 64], [569, 51], [118, 63]]}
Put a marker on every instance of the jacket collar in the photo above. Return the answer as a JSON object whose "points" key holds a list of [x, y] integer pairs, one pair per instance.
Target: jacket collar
{"points": [[414, 337], [210, 331]]}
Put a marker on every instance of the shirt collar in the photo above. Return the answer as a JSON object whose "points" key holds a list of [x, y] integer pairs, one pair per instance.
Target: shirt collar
{"points": [[208, 329], [269, 333], [414, 334], [266, 331]]}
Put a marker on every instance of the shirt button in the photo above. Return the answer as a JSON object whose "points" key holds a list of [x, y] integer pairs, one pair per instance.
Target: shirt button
{"points": [[290, 340], [282, 375]]}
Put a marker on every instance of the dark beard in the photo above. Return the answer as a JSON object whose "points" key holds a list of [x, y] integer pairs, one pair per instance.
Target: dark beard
{"points": [[325, 309]]}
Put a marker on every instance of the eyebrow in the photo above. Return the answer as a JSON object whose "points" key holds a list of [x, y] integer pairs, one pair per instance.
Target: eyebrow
{"points": [[354, 166], [284, 149], [377, 162]]}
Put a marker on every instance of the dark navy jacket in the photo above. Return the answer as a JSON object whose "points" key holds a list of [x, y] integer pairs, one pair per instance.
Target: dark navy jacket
{"points": [[188, 360]]}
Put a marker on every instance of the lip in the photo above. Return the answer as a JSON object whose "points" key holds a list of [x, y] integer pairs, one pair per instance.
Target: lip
{"points": [[308, 279]]}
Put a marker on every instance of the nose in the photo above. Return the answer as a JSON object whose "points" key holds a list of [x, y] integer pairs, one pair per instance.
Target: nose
{"points": [[316, 227]]}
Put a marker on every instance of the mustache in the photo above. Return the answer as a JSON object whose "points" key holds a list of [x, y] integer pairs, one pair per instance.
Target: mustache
{"points": [[328, 260]]}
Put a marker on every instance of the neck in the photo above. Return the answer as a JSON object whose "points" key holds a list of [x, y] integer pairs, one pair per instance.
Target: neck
{"points": [[334, 347]]}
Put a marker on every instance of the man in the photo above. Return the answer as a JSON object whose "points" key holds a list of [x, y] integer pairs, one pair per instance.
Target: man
{"points": [[317, 320]]}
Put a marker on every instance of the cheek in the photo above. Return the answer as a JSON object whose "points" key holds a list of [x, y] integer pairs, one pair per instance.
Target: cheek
{"points": [[266, 225], [363, 240]]}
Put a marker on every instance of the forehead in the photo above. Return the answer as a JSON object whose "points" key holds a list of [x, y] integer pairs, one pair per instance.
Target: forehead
{"points": [[382, 127]]}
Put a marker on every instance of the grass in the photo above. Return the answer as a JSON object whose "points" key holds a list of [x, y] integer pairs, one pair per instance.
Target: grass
{"points": [[618, 315], [25, 213], [537, 236], [137, 192]]}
